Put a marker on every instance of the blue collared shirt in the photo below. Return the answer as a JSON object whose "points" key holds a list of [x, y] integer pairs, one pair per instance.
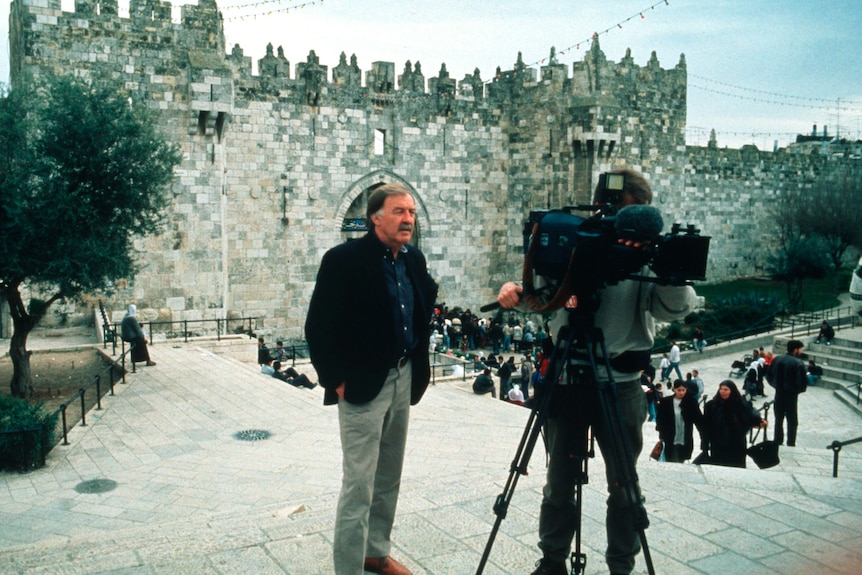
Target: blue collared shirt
{"points": [[401, 295]]}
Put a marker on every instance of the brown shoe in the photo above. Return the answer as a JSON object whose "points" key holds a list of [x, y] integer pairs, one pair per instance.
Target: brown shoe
{"points": [[385, 566], [151, 363]]}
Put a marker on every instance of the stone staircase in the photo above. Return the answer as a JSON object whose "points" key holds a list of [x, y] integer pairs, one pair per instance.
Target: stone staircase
{"points": [[841, 363]]}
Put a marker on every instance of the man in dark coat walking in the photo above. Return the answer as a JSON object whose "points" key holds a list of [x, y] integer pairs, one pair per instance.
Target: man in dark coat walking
{"points": [[787, 375]]}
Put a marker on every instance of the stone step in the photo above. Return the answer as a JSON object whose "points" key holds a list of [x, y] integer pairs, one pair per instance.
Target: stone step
{"points": [[847, 396], [186, 541], [837, 350]]}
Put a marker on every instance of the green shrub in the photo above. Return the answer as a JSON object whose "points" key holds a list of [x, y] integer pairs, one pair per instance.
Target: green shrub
{"points": [[24, 451], [725, 317]]}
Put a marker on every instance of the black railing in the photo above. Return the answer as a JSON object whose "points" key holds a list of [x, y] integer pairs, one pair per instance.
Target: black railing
{"points": [[292, 351], [109, 330], [799, 324], [436, 363], [753, 434], [809, 322], [97, 383], [836, 448], [221, 327], [35, 434]]}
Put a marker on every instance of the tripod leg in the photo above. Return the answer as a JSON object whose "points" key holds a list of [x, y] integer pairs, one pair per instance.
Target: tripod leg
{"points": [[537, 418], [579, 558]]}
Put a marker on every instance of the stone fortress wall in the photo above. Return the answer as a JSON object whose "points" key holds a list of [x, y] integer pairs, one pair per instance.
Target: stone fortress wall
{"points": [[276, 166]]}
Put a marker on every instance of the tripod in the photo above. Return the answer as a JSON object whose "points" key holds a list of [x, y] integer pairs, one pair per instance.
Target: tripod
{"points": [[582, 342]]}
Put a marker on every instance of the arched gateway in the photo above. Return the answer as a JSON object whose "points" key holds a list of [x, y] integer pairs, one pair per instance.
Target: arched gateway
{"points": [[351, 207]]}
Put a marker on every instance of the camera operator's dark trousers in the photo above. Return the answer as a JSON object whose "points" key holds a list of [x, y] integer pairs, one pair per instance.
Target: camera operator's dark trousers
{"points": [[557, 520]]}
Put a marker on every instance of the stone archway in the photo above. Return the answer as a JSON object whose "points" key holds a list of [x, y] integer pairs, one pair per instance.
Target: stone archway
{"points": [[351, 208]]}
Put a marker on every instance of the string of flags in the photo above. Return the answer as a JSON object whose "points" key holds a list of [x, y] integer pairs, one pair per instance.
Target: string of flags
{"points": [[263, 13], [696, 132], [766, 97], [639, 15]]}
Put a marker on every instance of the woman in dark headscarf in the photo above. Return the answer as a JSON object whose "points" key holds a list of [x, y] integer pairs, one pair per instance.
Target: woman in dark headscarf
{"points": [[728, 417], [131, 332]]}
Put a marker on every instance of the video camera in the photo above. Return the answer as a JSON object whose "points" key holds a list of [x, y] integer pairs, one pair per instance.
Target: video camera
{"points": [[579, 255]]}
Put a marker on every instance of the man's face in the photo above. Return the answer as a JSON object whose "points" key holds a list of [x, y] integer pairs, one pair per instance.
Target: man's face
{"points": [[394, 223], [797, 352], [679, 392]]}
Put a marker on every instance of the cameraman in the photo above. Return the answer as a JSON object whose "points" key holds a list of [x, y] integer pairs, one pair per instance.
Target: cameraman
{"points": [[626, 315]]}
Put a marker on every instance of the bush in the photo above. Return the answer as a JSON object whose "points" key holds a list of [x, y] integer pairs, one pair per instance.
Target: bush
{"points": [[726, 317], [26, 433]]}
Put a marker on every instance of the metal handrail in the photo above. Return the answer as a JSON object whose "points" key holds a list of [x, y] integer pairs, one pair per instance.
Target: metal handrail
{"points": [[806, 322], [752, 434], [436, 363], [109, 330], [60, 412], [221, 326], [97, 382], [836, 448], [765, 325]]}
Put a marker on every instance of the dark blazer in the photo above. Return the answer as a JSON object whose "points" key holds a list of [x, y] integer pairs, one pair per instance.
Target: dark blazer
{"points": [[787, 375], [350, 328], [666, 422]]}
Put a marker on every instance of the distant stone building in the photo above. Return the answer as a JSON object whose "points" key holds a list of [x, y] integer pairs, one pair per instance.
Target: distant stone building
{"points": [[277, 166]]}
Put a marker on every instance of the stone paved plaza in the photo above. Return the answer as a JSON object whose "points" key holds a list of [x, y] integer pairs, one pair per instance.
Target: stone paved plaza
{"points": [[192, 498]]}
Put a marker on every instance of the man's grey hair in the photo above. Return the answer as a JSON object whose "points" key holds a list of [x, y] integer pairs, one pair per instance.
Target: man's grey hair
{"points": [[378, 197]]}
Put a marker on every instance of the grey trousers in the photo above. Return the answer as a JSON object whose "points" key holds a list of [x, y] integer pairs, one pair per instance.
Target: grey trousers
{"points": [[373, 438], [557, 518]]}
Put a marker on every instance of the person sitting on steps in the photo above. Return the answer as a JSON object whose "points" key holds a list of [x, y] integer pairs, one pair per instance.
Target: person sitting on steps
{"points": [[826, 333]]}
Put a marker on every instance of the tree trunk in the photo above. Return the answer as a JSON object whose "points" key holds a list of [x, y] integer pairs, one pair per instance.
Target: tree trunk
{"points": [[795, 293], [22, 381], [23, 323]]}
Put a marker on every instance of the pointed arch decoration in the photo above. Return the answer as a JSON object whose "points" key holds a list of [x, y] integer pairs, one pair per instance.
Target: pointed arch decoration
{"points": [[349, 210]]}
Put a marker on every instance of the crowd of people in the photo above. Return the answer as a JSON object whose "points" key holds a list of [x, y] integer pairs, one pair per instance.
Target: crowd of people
{"points": [[461, 330], [678, 406], [517, 381]]}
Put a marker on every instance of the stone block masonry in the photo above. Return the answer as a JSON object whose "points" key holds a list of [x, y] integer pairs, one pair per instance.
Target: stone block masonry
{"points": [[277, 166]]}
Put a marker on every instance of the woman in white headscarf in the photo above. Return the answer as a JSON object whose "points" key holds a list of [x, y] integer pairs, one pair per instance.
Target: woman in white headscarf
{"points": [[131, 332]]}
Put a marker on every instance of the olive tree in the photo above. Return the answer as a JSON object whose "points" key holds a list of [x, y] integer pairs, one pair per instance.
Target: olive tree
{"points": [[831, 211], [799, 254], [83, 171]]}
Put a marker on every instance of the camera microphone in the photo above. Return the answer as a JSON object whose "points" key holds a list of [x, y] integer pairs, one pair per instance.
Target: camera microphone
{"points": [[639, 223]]}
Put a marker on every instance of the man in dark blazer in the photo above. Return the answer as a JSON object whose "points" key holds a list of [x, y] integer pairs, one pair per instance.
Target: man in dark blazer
{"points": [[367, 328]]}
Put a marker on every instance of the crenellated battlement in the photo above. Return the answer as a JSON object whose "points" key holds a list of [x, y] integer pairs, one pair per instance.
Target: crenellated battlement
{"points": [[148, 33], [277, 164]]}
